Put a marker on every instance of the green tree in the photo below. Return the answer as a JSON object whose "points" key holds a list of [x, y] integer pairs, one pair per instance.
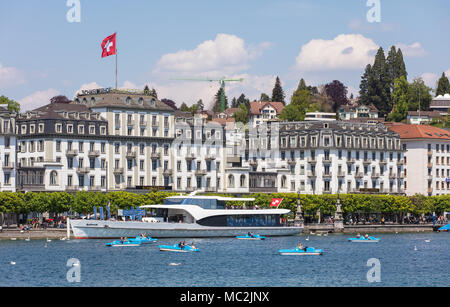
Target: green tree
{"points": [[364, 98], [419, 94], [184, 107], [277, 92], [379, 84], [400, 100], [242, 114], [13, 106], [443, 86], [200, 105], [264, 97], [220, 95]]}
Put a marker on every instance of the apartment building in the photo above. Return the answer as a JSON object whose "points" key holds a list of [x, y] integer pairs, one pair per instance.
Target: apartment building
{"points": [[427, 158], [7, 150]]}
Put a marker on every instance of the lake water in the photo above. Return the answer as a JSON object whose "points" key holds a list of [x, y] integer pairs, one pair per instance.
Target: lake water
{"points": [[231, 262]]}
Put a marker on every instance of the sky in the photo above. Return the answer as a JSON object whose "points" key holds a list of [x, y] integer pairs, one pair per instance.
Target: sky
{"points": [[42, 54]]}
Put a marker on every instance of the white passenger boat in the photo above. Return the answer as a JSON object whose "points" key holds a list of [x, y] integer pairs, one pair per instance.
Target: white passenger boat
{"points": [[190, 216]]}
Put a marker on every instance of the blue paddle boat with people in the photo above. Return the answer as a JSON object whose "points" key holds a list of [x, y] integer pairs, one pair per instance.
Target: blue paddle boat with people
{"points": [[445, 228], [124, 243], [307, 251], [364, 239], [181, 247], [251, 236], [301, 250], [143, 239]]}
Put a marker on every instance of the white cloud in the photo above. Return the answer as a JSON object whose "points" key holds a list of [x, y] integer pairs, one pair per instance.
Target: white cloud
{"points": [[37, 99], [346, 52], [87, 86], [226, 54], [358, 25], [431, 79], [413, 50], [10, 76]]}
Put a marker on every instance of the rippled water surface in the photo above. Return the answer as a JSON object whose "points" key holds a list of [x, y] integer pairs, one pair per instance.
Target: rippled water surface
{"points": [[231, 262]]}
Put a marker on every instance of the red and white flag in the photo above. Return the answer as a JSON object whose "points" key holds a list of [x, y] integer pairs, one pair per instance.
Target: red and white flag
{"points": [[109, 46], [276, 202]]}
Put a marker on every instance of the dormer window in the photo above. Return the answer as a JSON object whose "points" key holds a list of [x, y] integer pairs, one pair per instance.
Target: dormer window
{"points": [[141, 101], [41, 128], [91, 129], [84, 101], [80, 129], [128, 100]]}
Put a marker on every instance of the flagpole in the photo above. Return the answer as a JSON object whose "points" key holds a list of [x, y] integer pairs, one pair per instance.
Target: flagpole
{"points": [[115, 46]]}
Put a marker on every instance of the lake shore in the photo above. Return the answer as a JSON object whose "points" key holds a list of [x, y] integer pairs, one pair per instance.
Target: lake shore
{"points": [[50, 233]]}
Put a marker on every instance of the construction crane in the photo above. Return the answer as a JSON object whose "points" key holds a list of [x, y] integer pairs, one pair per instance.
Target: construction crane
{"points": [[222, 86]]}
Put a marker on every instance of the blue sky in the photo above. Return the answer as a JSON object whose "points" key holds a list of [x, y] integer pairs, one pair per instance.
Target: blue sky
{"points": [[42, 54]]}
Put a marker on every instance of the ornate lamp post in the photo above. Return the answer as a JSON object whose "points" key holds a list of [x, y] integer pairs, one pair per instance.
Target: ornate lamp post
{"points": [[338, 218]]}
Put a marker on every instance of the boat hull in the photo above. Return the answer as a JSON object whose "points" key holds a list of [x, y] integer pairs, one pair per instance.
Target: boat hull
{"points": [[297, 252], [99, 229], [356, 240]]}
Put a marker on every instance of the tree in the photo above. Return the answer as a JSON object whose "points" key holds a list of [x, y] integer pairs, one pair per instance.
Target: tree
{"points": [[13, 106], [378, 85], [443, 86], [242, 100], [321, 102], [419, 94], [338, 94], [301, 102], [200, 105], [364, 86], [59, 99], [184, 107], [217, 107], [400, 100], [293, 112], [154, 93], [277, 92], [241, 115], [264, 97], [170, 103]]}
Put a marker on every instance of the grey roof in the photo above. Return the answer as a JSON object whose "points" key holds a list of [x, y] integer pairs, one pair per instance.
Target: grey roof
{"points": [[129, 100]]}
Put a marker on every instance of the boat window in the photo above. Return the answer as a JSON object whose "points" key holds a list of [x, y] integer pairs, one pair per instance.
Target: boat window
{"points": [[204, 203]]}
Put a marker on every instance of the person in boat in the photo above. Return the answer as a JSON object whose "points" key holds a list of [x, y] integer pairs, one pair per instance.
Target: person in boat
{"points": [[121, 240], [250, 234], [358, 235], [366, 236], [301, 247], [192, 245]]}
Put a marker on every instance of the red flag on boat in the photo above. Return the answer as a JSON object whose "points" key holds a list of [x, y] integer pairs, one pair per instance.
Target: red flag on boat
{"points": [[109, 46], [276, 202]]}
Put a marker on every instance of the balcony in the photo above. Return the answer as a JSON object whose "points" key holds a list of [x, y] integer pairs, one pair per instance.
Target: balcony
{"points": [[234, 159], [375, 175], [143, 123], [429, 190], [8, 165], [341, 174], [210, 157], [326, 160], [190, 156], [312, 174], [291, 161], [118, 170], [130, 154], [383, 161], [359, 175], [392, 176], [367, 161], [327, 175], [200, 172], [155, 155], [155, 123], [326, 192], [94, 153], [400, 162], [71, 152], [311, 160], [253, 163], [351, 161], [93, 188], [72, 188], [83, 170], [130, 123]]}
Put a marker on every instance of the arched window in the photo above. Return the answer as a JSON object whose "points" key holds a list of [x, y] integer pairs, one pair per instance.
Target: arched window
{"points": [[242, 181], [141, 101], [231, 181], [53, 178], [128, 100], [283, 181]]}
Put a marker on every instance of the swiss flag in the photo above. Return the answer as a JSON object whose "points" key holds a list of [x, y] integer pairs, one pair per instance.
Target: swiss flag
{"points": [[109, 46], [276, 202]]}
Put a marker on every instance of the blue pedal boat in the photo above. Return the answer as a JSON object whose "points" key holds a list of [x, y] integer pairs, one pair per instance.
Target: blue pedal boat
{"points": [[143, 240], [177, 248], [364, 240], [127, 243], [445, 228], [310, 251], [253, 237]]}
